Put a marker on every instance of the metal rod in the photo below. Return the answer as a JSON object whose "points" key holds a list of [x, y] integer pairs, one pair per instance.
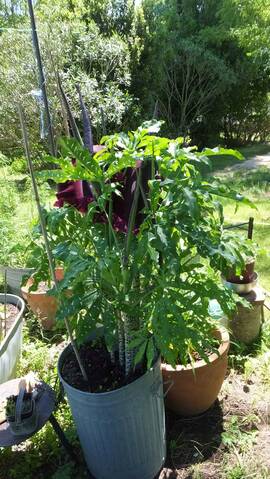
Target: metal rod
{"points": [[42, 81], [238, 225], [65, 443], [45, 236]]}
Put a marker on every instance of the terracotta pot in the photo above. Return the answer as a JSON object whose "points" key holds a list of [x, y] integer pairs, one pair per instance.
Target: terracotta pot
{"points": [[59, 273], [42, 305], [246, 275], [195, 389]]}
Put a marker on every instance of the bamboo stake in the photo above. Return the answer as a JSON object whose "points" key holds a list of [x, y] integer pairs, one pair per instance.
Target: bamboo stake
{"points": [[46, 240], [42, 81]]}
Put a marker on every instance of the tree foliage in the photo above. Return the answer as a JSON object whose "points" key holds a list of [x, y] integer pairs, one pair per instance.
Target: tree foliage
{"points": [[227, 40], [202, 65], [74, 47]]}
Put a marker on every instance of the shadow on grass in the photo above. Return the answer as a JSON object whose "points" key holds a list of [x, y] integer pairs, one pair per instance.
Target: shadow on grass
{"points": [[192, 440], [240, 352]]}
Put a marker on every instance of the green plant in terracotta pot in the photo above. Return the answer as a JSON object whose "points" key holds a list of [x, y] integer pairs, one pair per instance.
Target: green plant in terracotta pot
{"points": [[36, 287], [241, 276], [143, 264]]}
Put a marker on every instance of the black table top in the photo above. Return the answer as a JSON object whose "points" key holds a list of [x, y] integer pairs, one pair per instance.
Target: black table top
{"points": [[45, 405]]}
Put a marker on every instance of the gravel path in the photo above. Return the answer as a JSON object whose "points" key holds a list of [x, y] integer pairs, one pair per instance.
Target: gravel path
{"points": [[256, 162]]}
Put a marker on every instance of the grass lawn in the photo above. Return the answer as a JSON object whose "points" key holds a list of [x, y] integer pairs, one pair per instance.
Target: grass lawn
{"points": [[230, 441]]}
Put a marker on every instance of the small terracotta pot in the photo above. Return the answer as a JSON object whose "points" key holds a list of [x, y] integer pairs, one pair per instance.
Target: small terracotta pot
{"points": [[42, 305], [246, 275], [59, 273], [195, 389]]}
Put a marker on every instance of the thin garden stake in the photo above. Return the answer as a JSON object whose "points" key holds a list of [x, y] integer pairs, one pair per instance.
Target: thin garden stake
{"points": [[45, 236], [42, 82], [5, 303]]}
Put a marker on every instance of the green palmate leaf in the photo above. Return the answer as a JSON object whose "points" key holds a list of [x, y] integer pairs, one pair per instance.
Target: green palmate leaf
{"points": [[140, 353], [150, 353], [221, 151], [120, 162], [148, 127], [162, 236], [191, 202], [56, 175], [154, 254], [223, 191]]}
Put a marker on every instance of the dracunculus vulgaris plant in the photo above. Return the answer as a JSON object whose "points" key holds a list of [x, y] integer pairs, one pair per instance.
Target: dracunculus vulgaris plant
{"points": [[147, 248]]}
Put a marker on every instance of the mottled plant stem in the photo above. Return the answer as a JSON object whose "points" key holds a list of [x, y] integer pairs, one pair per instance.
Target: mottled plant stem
{"points": [[129, 325], [121, 342], [112, 355]]}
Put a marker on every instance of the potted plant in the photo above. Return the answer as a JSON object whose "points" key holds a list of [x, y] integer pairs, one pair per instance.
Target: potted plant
{"points": [[21, 413], [11, 319], [36, 288], [17, 268], [241, 276], [197, 383], [142, 269]]}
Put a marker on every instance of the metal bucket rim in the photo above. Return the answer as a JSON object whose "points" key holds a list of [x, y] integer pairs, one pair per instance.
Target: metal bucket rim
{"points": [[101, 394], [19, 302]]}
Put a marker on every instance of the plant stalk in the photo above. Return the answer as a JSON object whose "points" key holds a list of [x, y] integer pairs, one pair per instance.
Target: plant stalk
{"points": [[128, 322], [121, 342], [46, 240]]}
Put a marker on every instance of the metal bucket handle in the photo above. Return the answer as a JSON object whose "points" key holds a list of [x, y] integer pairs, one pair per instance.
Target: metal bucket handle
{"points": [[155, 387], [19, 404]]}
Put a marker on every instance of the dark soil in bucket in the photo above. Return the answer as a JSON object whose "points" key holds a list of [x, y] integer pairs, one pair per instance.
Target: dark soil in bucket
{"points": [[103, 374], [11, 316]]}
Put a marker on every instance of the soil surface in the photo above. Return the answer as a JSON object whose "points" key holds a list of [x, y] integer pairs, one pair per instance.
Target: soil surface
{"points": [[11, 315], [103, 374]]}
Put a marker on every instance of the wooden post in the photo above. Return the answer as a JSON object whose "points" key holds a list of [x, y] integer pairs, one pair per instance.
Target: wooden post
{"points": [[250, 228]]}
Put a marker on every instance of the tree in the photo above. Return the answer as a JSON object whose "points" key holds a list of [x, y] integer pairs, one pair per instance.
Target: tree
{"points": [[228, 41], [79, 52]]}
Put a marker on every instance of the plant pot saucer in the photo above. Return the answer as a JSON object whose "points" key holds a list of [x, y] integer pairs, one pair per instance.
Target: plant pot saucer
{"points": [[242, 288]]}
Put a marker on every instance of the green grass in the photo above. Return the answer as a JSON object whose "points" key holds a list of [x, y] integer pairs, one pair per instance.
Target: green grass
{"points": [[18, 213], [255, 185]]}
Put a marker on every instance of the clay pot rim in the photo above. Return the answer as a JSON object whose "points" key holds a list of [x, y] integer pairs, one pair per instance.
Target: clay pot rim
{"points": [[25, 289], [250, 259], [223, 348]]}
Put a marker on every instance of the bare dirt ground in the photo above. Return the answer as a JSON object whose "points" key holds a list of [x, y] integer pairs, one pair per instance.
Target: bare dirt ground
{"points": [[234, 433]]}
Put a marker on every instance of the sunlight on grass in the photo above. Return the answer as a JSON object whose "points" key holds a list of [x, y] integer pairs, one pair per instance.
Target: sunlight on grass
{"points": [[255, 185]]}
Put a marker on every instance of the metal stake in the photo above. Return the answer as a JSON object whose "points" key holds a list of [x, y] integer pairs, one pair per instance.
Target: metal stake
{"points": [[42, 81], [5, 303], [45, 236]]}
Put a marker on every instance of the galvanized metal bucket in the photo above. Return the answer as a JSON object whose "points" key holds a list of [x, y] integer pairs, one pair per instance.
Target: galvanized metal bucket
{"points": [[122, 432], [11, 346]]}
